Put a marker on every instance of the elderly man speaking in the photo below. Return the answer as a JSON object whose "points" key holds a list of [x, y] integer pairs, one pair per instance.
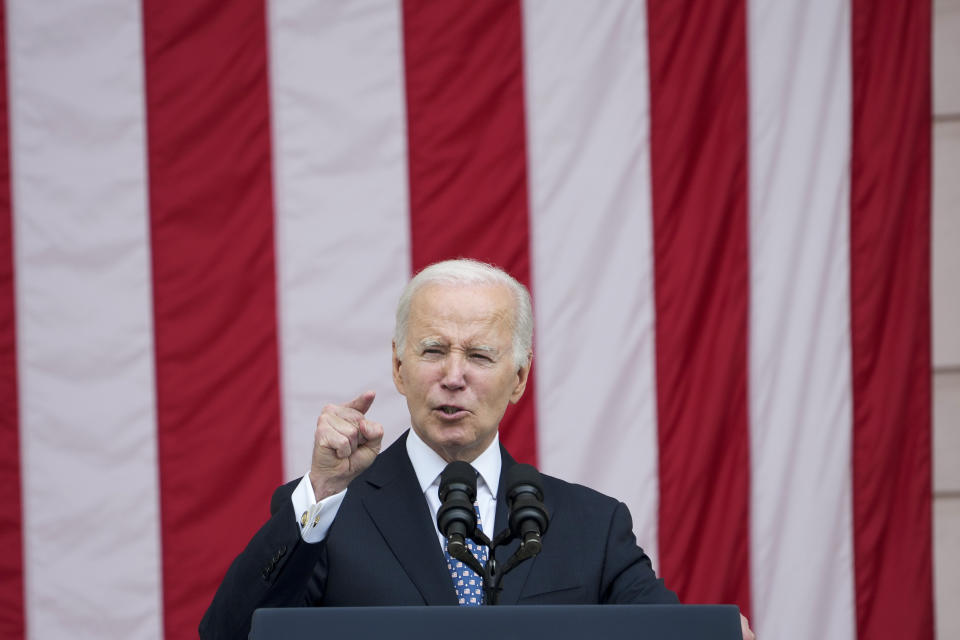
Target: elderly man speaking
{"points": [[359, 528]]}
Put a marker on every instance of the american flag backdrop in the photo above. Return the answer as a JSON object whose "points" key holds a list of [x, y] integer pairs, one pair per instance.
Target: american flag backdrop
{"points": [[722, 208]]}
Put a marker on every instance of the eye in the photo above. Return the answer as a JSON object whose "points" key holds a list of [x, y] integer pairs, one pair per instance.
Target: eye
{"points": [[481, 357]]}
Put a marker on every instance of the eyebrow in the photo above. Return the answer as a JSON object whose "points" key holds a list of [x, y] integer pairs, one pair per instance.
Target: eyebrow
{"points": [[482, 347], [431, 343]]}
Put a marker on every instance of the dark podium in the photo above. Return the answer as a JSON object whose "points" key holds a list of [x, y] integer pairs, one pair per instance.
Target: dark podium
{"points": [[527, 622]]}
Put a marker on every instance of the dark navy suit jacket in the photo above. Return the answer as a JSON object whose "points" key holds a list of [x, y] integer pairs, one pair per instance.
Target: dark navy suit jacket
{"points": [[382, 550]]}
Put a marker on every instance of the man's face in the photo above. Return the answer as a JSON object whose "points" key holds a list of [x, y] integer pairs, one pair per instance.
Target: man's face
{"points": [[457, 370]]}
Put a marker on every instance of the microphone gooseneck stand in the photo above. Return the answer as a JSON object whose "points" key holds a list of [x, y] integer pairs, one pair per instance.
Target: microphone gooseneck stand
{"points": [[457, 520]]}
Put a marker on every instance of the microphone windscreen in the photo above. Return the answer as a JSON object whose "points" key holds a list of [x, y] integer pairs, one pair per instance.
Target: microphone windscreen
{"points": [[459, 475], [520, 475]]}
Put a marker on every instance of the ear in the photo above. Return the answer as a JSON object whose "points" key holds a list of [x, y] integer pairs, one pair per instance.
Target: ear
{"points": [[397, 378], [522, 374]]}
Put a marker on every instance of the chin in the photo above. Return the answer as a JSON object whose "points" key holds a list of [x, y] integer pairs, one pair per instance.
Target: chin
{"points": [[452, 437], [455, 437]]}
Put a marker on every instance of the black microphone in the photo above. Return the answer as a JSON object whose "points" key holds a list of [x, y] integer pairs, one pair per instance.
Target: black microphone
{"points": [[456, 518], [528, 515]]}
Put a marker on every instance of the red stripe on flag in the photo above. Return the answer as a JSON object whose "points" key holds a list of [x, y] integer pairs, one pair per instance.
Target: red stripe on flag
{"points": [[211, 206], [11, 522], [699, 136], [467, 150], [890, 319]]}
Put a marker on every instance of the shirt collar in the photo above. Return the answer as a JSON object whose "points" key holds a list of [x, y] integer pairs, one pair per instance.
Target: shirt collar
{"points": [[428, 465]]}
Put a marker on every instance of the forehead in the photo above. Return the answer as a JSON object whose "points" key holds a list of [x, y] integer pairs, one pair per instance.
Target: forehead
{"points": [[457, 305]]}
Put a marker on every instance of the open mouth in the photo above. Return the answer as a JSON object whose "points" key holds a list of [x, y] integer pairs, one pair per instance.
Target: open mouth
{"points": [[449, 410]]}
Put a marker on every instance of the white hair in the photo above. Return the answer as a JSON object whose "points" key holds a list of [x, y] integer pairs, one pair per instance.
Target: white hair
{"points": [[464, 271]]}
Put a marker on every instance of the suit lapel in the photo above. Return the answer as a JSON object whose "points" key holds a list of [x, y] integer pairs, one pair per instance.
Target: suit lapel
{"points": [[395, 497], [503, 518]]}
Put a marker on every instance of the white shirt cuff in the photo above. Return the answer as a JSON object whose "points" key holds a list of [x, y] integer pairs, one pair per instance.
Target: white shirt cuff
{"points": [[314, 517]]}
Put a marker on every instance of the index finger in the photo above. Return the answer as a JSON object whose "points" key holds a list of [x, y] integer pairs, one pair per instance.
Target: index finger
{"points": [[362, 402]]}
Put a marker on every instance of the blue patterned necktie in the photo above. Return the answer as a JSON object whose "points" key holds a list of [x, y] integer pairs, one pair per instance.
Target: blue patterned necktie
{"points": [[468, 584]]}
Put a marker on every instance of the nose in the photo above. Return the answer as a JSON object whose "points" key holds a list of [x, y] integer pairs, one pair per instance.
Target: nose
{"points": [[453, 372]]}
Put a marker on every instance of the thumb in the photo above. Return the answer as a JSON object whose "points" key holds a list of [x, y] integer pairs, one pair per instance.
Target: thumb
{"points": [[362, 402]]}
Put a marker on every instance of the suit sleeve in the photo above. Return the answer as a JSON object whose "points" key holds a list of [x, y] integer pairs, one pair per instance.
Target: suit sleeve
{"points": [[628, 576], [276, 569]]}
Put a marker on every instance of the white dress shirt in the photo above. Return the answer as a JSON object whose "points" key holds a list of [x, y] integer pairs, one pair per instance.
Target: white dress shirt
{"points": [[316, 517]]}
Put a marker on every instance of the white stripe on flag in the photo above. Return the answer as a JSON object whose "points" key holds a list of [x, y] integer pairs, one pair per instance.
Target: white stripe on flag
{"points": [[591, 243], [800, 342], [343, 238], [84, 320]]}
